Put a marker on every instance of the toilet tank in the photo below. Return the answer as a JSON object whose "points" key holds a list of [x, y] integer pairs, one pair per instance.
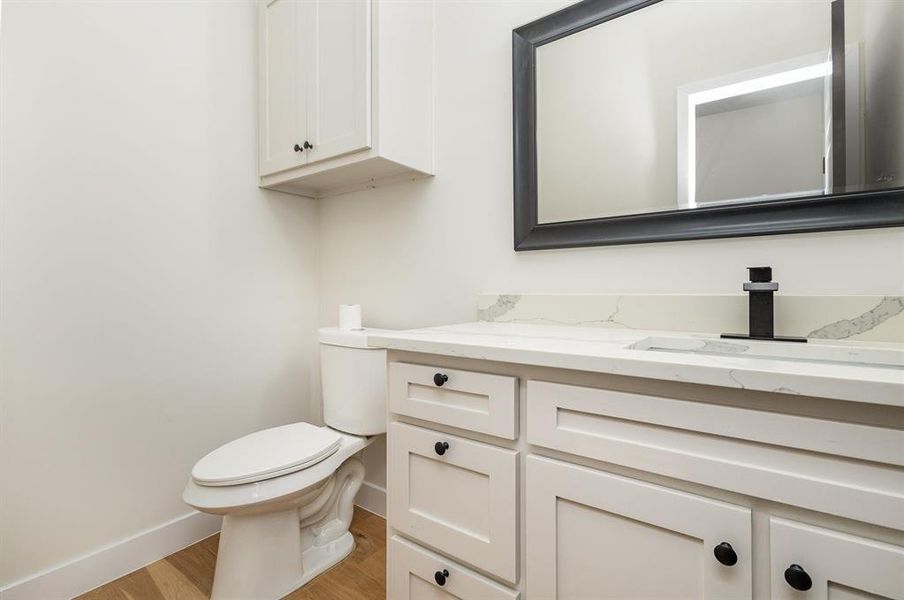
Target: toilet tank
{"points": [[353, 378]]}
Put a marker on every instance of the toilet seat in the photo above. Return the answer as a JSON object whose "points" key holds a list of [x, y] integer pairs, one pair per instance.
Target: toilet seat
{"points": [[249, 497], [266, 454]]}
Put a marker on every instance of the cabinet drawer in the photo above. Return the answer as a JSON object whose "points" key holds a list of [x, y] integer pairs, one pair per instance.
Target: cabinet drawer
{"points": [[846, 469], [838, 565], [591, 534], [478, 402], [413, 571], [462, 503]]}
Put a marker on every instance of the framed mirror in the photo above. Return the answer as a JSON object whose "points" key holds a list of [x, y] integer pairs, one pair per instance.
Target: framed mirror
{"points": [[659, 120]]}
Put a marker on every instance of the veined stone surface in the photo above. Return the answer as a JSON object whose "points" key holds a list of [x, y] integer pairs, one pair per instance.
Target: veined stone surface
{"points": [[856, 318]]}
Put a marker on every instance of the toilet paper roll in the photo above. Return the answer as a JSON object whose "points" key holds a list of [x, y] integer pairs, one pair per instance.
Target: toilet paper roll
{"points": [[349, 317]]}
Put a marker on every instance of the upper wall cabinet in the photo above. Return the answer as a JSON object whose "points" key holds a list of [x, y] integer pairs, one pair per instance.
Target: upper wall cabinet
{"points": [[346, 94]]}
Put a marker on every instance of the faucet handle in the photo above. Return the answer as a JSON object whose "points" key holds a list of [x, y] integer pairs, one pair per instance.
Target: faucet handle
{"points": [[760, 286], [760, 274]]}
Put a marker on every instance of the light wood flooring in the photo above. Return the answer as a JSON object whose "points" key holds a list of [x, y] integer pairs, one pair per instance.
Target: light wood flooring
{"points": [[188, 574]]}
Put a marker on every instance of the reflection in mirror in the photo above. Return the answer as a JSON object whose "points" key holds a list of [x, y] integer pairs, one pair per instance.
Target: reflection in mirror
{"points": [[756, 135], [683, 104]]}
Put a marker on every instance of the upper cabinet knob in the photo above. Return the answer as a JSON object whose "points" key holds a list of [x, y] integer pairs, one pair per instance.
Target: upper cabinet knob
{"points": [[440, 447], [307, 145], [298, 148], [439, 379], [798, 578], [725, 554], [440, 577]]}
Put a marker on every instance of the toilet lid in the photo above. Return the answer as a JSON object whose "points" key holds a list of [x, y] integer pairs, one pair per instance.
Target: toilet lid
{"points": [[266, 454]]}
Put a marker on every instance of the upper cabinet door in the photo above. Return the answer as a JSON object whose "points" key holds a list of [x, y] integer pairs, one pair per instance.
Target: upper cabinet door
{"points": [[339, 90], [283, 84], [596, 535]]}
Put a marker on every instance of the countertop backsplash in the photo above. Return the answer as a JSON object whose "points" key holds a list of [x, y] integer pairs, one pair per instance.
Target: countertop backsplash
{"points": [[854, 318]]}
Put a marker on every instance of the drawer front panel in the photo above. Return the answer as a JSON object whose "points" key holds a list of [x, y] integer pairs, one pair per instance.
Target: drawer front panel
{"points": [[478, 402], [838, 565], [463, 502], [779, 457], [412, 577], [591, 534]]}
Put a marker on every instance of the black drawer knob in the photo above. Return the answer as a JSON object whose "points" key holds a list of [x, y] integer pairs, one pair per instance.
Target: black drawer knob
{"points": [[439, 379], [725, 554], [798, 578], [440, 577], [441, 447]]}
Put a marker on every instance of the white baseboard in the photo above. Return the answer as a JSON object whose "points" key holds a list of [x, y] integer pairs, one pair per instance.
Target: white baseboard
{"points": [[371, 498], [87, 572], [97, 568]]}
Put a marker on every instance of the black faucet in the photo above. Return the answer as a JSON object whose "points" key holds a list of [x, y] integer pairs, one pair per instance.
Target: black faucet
{"points": [[761, 315]]}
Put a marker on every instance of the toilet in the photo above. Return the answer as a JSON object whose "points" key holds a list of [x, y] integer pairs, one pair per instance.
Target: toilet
{"points": [[287, 493]]}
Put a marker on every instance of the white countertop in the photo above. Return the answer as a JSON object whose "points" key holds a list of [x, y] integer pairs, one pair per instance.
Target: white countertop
{"points": [[605, 350]]}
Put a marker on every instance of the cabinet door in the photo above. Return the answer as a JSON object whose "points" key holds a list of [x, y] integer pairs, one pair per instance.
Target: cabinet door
{"points": [[596, 535], [838, 566], [462, 500], [339, 90], [413, 576], [284, 64]]}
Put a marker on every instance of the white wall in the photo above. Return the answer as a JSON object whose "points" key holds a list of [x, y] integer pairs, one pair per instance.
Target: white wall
{"points": [[418, 254], [155, 302]]}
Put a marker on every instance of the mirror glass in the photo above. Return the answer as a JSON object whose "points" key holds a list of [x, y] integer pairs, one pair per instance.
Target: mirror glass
{"points": [[686, 104]]}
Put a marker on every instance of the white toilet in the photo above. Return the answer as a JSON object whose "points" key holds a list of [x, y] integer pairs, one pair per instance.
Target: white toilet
{"points": [[286, 494]]}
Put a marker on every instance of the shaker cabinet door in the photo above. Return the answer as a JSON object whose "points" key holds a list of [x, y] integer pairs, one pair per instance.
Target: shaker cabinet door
{"points": [[591, 534], [284, 65], [819, 564], [339, 93]]}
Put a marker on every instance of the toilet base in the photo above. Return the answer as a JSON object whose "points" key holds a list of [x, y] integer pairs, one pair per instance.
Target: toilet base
{"points": [[266, 555], [263, 558], [321, 558]]}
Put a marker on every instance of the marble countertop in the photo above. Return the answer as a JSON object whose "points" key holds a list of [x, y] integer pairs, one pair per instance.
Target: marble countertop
{"points": [[607, 350]]}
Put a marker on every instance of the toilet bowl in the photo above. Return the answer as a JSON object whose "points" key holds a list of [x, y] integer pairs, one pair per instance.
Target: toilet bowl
{"points": [[287, 493]]}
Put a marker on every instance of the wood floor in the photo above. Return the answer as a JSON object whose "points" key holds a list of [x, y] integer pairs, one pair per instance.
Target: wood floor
{"points": [[188, 574]]}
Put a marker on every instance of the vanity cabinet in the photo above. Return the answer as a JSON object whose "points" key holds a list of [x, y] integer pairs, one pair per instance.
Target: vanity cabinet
{"points": [[545, 483], [345, 94]]}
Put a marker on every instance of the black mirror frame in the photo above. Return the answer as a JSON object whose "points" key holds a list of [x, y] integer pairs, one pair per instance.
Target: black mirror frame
{"points": [[854, 210]]}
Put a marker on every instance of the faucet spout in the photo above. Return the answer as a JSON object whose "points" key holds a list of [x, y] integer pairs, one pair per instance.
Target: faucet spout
{"points": [[761, 313]]}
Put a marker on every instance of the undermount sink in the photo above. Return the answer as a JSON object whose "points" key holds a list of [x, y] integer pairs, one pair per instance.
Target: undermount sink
{"points": [[814, 352]]}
